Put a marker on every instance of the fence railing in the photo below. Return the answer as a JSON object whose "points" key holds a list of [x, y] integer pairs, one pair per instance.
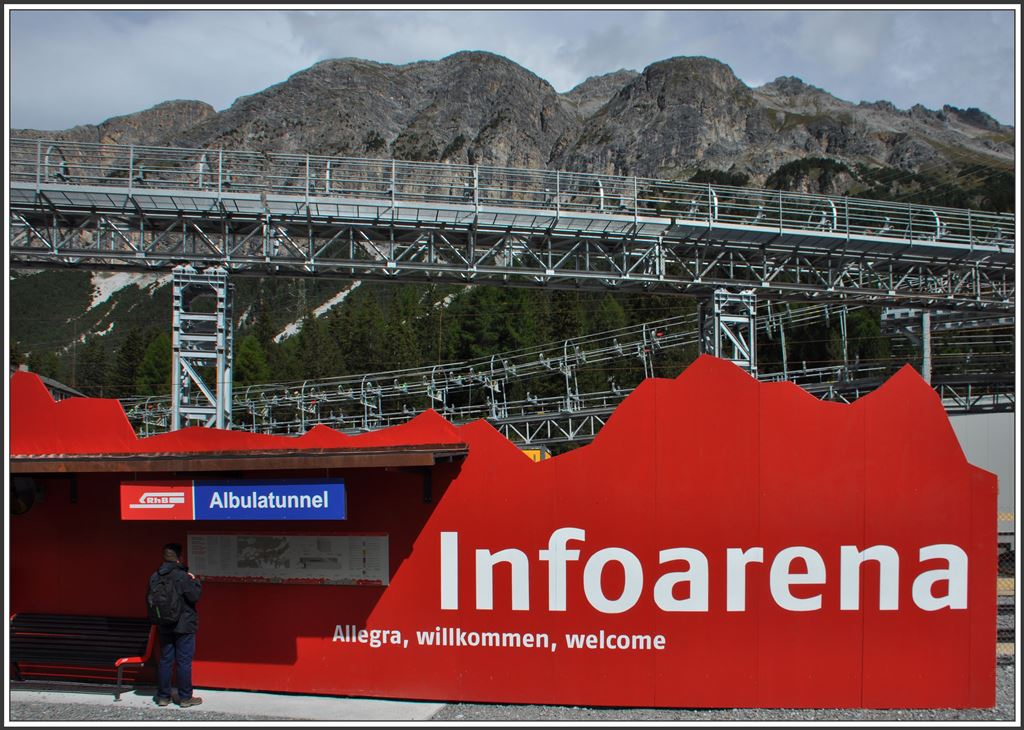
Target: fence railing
{"points": [[226, 173]]}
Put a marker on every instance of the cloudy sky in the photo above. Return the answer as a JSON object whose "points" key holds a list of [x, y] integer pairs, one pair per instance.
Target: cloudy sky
{"points": [[71, 67]]}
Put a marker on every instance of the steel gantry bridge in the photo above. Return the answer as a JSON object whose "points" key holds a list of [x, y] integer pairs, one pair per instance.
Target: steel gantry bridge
{"points": [[145, 208], [482, 388], [208, 214]]}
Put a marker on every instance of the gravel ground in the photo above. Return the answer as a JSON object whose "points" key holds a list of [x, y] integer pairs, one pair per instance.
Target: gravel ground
{"points": [[1004, 710], [24, 709]]}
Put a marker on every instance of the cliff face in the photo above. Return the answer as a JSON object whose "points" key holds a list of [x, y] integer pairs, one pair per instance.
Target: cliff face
{"points": [[150, 127], [677, 116], [683, 114], [589, 96], [469, 108]]}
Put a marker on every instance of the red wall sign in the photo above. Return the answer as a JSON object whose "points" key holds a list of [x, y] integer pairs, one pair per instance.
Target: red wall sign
{"points": [[722, 543]]}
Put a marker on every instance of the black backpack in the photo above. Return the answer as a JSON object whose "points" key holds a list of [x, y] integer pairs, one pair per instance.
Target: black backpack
{"points": [[164, 601]]}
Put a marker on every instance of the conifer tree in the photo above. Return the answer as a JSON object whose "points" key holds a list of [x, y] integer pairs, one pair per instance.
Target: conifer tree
{"points": [[568, 317], [434, 329], [46, 364], [126, 364], [263, 327], [360, 335], [314, 350], [93, 374], [154, 374], [251, 366]]}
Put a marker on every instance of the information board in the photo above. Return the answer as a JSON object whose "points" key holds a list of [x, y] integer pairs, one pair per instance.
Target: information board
{"points": [[328, 559]]}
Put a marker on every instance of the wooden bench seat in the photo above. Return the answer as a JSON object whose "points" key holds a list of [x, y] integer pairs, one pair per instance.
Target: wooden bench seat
{"points": [[44, 643]]}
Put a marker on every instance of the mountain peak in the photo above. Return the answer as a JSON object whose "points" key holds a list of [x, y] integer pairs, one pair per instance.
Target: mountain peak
{"points": [[700, 69], [796, 94], [477, 56], [974, 117], [614, 78], [593, 93], [791, 85], [694, 61]]}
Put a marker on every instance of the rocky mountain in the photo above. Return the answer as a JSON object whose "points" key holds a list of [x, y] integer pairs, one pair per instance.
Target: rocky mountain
{"points": [[150, 127], [676, 117], [589, 96], [470, 107], [681, 118], [686, 114]]}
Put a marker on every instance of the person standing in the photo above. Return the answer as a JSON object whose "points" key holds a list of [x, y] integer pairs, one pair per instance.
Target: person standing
{"points": [[173, 594]]}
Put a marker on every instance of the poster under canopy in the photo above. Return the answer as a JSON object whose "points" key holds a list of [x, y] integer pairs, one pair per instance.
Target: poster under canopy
{"points": [[336, 559]]}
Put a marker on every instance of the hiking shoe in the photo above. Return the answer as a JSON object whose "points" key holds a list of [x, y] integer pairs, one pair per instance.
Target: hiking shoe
{"points": [[163, 701], [191, 701]]}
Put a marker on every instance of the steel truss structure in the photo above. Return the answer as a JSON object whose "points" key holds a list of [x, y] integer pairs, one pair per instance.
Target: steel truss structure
{"points": [[466, 391], [908, 321], [460, 391], [146, 208], [728, 328], [978, 393], [202, 345]]}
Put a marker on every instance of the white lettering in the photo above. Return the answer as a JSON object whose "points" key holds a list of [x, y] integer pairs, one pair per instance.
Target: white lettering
{"points": [[449, 571], [781, 578], [850, 560], [485, 563], [631, 589], [615, 642], [736, 560], [255, 500], [696, 576], [955, 576], [557, 556], [695, 596]]}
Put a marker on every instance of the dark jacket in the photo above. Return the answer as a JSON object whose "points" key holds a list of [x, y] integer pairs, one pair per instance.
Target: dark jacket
{"points": [[188, 588]]}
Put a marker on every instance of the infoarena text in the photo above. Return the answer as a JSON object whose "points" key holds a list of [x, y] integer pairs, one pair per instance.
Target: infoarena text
{"points": [[942, 587]]}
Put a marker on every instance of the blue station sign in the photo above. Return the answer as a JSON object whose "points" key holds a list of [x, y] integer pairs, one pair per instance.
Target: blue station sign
{"points": [[268, 499], [235, 499]]}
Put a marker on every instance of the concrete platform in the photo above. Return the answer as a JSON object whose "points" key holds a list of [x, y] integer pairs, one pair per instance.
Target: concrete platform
{"points": [[285, 706]]}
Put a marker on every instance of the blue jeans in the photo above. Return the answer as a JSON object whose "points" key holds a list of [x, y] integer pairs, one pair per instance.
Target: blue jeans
{"points": [[176, 650]]}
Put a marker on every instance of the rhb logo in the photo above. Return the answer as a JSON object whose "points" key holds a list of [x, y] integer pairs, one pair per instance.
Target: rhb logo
{"points": [[157, 501]]}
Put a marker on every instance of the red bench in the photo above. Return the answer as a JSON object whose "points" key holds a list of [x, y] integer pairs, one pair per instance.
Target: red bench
{"points": [[50, 644]]}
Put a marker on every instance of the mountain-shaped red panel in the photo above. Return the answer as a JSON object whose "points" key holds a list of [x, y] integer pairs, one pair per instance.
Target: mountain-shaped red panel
{"points": [[39, 425], [750, 545]]}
